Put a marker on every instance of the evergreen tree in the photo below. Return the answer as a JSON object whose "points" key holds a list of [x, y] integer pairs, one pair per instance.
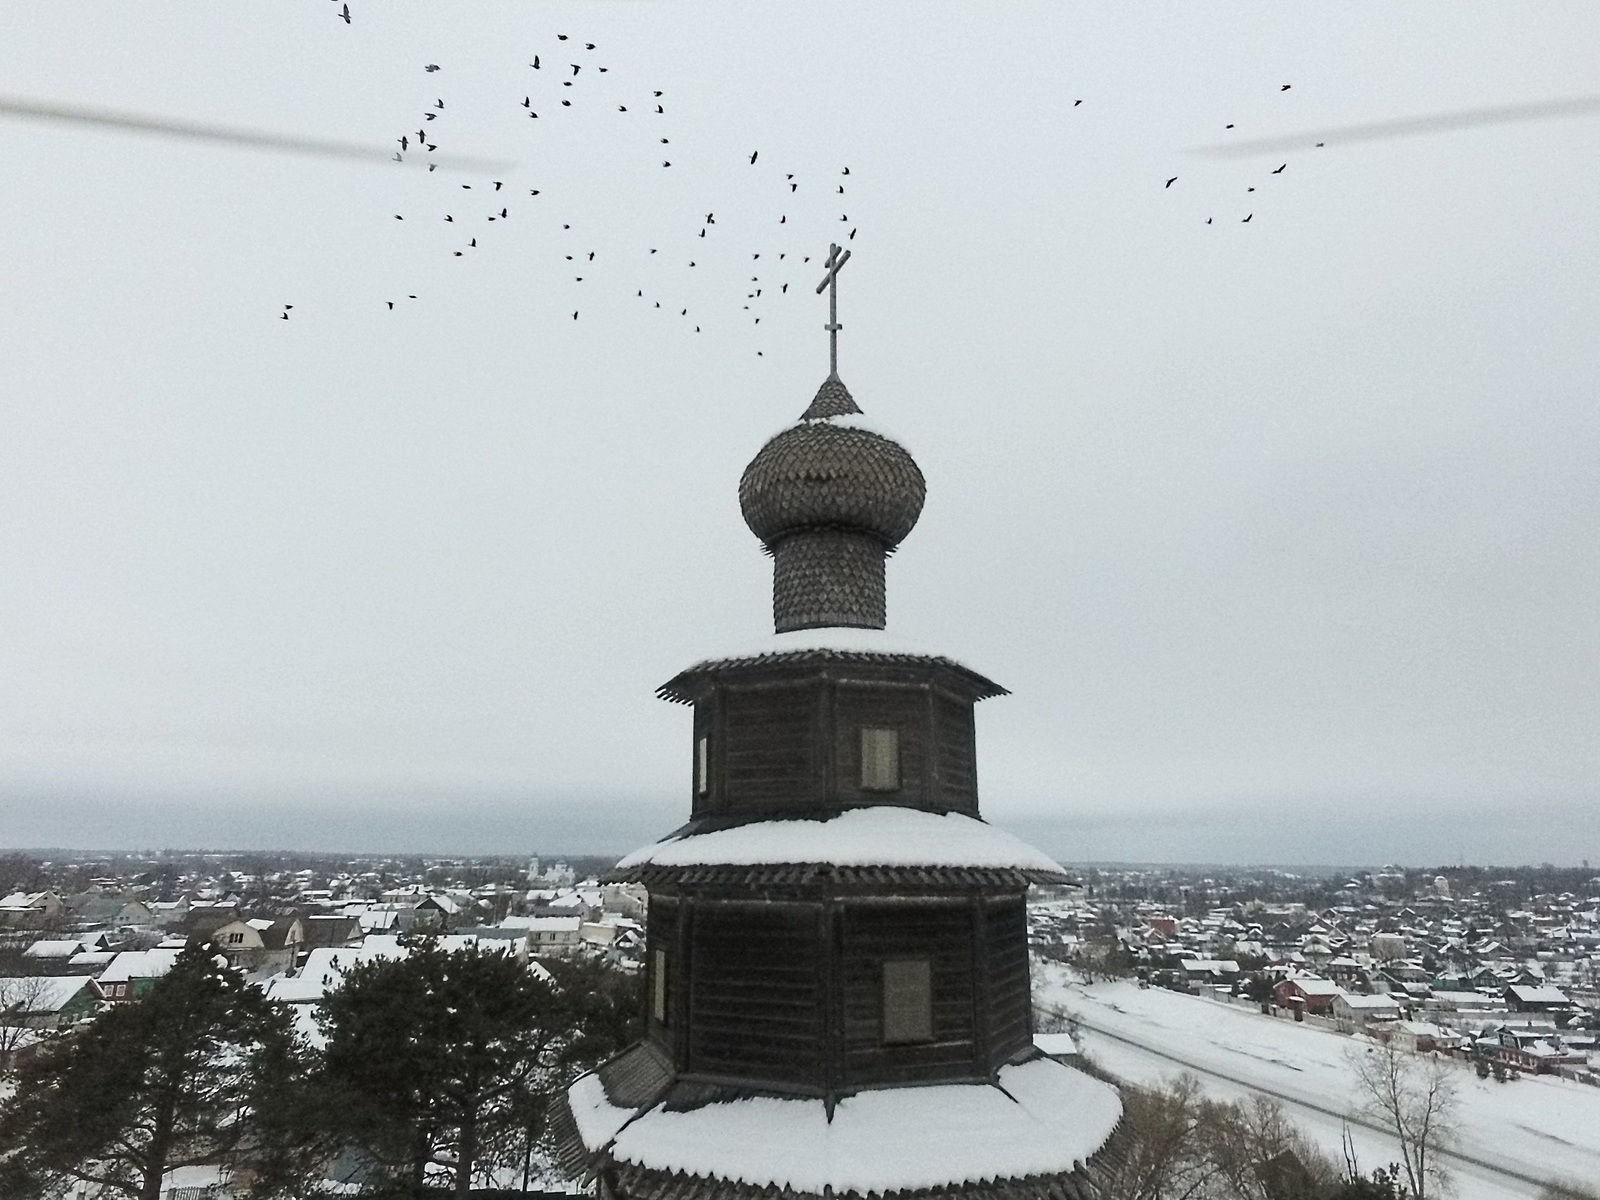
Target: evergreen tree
{"points": [[438, 1054], [157, 1083]]}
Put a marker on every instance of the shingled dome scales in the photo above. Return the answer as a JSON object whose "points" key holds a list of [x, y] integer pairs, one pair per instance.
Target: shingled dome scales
{"points": [[829, 501]]}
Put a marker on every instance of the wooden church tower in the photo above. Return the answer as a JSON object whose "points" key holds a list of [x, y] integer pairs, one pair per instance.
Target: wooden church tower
{"points": [[837, 987]]}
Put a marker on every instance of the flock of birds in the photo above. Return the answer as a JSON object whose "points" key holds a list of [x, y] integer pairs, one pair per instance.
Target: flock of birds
{"points": [[556, 84], [562, 77], [1278, 170]]}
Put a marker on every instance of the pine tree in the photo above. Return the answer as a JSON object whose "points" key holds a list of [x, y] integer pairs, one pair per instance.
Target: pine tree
{"points": [[438, 1054], [158, 1083]]}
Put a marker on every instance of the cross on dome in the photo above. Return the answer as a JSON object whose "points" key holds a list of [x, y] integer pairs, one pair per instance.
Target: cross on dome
{"points": [[836, 260]]}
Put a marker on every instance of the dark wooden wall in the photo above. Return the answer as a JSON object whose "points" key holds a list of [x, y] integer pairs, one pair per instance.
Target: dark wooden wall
{"points": [[786, 744], [787, 993]]}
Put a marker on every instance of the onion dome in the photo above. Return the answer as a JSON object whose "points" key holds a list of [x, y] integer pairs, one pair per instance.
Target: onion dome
{"points": [[829, 499]]}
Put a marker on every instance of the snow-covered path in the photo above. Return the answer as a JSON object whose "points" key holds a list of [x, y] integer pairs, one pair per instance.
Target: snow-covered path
{"points": [[1512, 1136]]}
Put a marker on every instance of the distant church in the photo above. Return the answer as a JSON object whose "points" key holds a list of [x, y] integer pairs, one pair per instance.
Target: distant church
{"points": [[838, 1000]]}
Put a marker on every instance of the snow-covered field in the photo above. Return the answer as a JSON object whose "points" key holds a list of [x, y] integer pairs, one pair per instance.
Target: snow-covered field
{"points": [[1538, 1128]]}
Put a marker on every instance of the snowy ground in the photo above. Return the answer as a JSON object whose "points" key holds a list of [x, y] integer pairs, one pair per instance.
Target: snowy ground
{"points": [[1511, 1136]]}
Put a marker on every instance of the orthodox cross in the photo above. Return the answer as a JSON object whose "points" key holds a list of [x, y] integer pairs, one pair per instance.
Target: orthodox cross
{"points": [[836, 259]]}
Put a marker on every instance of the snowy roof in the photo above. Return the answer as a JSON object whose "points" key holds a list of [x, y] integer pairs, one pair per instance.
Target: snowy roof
{"points": [[54, 948], [1538, 995], [139, 964], [1043, 1118], [1056, 1043], [882, 836], [42, 993]]}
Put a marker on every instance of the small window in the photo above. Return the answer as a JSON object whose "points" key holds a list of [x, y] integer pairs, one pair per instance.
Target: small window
{"points": [[235, 938], [907, 1001], [702, 767], [658, 986], [880, 760]]}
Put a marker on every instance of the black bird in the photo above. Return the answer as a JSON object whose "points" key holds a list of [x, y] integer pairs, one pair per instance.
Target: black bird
{"points": [[458, 254], [390, 303], [397, 157], [285, 316], [591, 256], [1246, 221], [603, 70], [852, 236], [783, 220], [1208, 220], [502, 214], [1322, 143], [663, 141], [659, 109], [753, 154], [561, 37], [1227, 126], [652, 251], [345, 14], [666, 164], [466, 187], [534, 192], [1075, 103], [535, 63], [574, 316], [473, 243], [1279, 171], [497, 184], [785, 287], [588, 45], [788, 176], [431, 68], [711, 218], [702, 233], [403, 141], [398, 217], [432, 147], [847, 170], [1249, 189], [527, 102], [1284, 88], [566, 83], [439, 104], [534, 115], [410, 297], [1172, 181], [794, 187], [622, 108], [844, 216], [566, 104], [640, 292], [657, 93], [575, 68], [658, 304], [684, 313], [448, 217], [421, 137], [429, 116]]}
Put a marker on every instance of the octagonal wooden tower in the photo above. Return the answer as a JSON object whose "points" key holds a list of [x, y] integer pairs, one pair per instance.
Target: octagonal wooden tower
{"points": [[837, 988]]}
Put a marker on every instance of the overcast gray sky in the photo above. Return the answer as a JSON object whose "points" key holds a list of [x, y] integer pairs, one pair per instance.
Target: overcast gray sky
{"points": [[1282, 533]]}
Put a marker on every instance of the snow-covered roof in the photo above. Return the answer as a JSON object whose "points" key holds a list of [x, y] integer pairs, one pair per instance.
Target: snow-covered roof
{"points": [[1538, 995], [139, 964], [1056, 1043], [41, 993], [1043, 1118], [882, 836], [54, 948]]}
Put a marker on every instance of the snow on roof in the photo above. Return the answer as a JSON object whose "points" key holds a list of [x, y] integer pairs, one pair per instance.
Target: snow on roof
{"points": [[1056, 1043], [882, 836], [42, 993], [53, 948], [1373, 1002], [139, 964], [1043, 1118], [1538, 995], [1315, 987]]}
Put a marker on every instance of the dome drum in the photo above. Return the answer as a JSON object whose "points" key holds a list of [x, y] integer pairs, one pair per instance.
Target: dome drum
{"points": [[826, 578]]}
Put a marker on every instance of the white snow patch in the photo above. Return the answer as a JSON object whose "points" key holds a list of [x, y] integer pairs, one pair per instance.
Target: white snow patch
{"points": [[597, 1119], [1043, 1118], [882, 836], [1055, 1043]]}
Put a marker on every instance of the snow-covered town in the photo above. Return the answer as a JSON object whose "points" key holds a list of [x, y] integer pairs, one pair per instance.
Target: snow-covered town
{"points": [[1152, 974]]}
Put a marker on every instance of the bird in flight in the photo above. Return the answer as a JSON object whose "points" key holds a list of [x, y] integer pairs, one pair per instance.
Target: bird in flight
{"points": [[1279, 171], [753, 154], [344, 14], [1172, 181], [1075, 103], [430, 69], [535, 63], [1284, 88], [575, 68], [1246, 221]]}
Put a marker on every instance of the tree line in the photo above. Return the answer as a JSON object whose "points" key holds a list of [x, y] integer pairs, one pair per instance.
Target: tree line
{"points": [[433, 1070]]}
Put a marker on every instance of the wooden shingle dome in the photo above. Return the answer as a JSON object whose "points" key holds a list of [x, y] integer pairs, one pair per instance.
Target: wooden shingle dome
{"points": [[829, 499]]}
